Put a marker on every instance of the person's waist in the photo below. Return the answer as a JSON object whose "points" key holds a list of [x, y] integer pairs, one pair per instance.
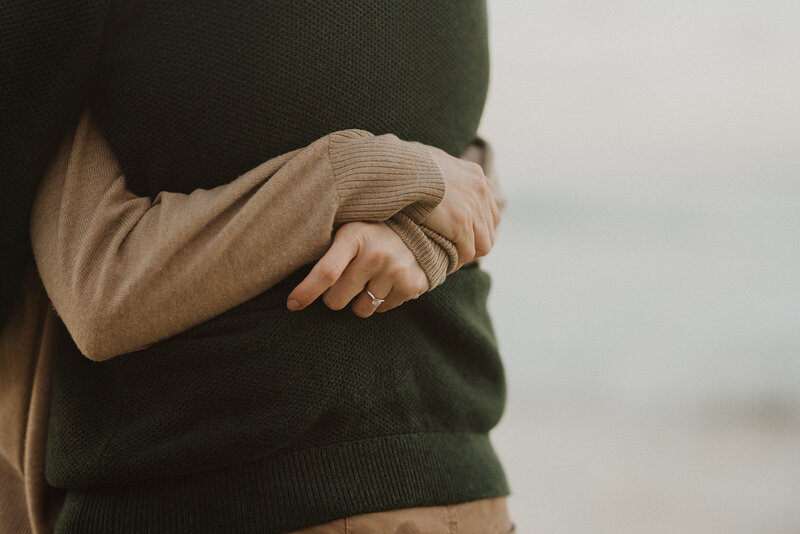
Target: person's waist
{"points": [[261, 380], [296, 489]]}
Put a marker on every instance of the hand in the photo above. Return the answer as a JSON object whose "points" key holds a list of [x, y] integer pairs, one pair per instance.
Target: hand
{"points": [[468, 213], [363, 255]]}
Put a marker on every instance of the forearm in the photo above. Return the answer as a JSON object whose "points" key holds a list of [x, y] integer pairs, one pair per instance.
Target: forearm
{"points": [[124, 272]]}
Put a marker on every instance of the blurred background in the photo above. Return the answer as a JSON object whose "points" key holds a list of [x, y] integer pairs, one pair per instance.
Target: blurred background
{"points": [[645, 293]]}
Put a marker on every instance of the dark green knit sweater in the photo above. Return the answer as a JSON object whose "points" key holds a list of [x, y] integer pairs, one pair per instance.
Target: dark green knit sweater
{"points": [[260, 420]]}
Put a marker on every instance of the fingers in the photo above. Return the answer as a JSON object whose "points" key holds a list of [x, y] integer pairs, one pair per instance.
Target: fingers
{"points": [[465, 239], [484, 231], [399, 280], [352, 281], [368, 255], [468, 214], [408, 285], [489, 218], [379, 286], [327, 270], [496, 215], [483, 239]]}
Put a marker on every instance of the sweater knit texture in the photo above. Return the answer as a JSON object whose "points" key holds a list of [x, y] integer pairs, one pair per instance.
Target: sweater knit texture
{"points": [[123, 271], [259, 420], [26, 343]]}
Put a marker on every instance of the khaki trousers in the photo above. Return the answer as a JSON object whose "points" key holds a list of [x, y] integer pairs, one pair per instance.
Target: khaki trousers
{"points": [[486, 516]]}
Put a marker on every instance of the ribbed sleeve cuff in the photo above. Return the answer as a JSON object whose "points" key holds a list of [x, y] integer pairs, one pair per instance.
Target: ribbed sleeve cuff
{"points": [[378, 176], [448, 246], [435, 254]]}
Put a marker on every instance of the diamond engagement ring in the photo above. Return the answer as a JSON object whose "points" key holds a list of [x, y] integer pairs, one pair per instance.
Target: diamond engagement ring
{"points": [[375, 301]]}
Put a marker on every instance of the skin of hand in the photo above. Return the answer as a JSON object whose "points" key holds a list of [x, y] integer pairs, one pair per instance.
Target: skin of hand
{"points": [[468, 214], [363, 255], [370, 252]]}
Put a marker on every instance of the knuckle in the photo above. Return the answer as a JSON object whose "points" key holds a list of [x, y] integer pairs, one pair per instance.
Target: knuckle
{"points": [[383, 253], [461, 216], [418, 292], [400, 272], [404, 290], [469, 253], [416, 285], [357, 236], [423, 284], [485, 245], [329, 271], [474, 167], [331, 301], [371, 260], [356, 230]]}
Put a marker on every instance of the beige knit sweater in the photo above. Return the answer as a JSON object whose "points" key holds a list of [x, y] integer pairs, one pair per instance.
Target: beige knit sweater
{"points": [[124, 271]]}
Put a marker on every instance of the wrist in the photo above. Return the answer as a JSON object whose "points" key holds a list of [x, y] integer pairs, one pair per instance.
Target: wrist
{"points": [[378, 176]]}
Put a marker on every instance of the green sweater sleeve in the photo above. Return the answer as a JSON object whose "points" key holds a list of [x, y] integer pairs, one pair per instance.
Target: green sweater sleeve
{"points": [[48, 61]]}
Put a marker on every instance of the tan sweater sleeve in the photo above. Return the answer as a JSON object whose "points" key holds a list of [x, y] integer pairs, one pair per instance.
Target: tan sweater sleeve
{"points": [[123, 271]]}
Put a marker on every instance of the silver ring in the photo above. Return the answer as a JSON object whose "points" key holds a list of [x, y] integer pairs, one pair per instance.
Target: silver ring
{"points": [[375, 300]]}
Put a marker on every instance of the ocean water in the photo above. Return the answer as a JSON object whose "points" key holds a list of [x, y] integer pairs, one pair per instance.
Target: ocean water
{"points": [[645, 291]]}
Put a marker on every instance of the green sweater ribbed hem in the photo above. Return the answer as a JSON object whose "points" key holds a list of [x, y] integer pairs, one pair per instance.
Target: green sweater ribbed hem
{"points": [[297, 490]]}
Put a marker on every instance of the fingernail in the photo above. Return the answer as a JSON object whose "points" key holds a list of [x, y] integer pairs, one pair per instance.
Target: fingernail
{"points": [[293, 304]]}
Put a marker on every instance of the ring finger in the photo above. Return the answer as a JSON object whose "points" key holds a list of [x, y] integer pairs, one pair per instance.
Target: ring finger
{"points": [[380, 287]]}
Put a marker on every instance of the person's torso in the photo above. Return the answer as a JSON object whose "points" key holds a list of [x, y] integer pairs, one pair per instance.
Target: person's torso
{"points": [[193, 96]]}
